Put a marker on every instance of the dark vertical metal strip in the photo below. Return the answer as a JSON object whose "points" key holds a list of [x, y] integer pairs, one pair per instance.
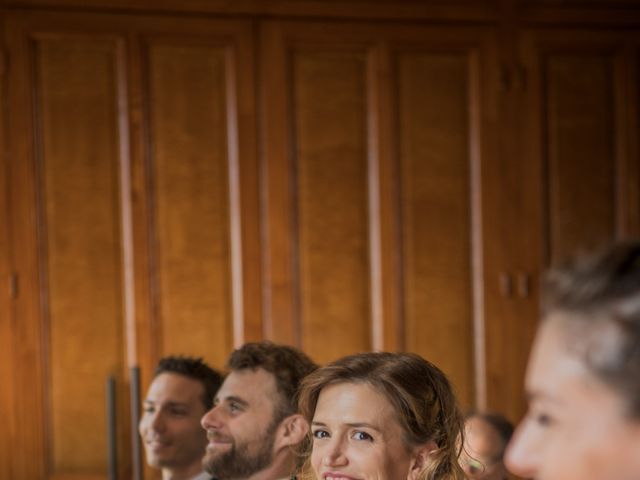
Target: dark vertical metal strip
{"points": [[111, 428], [136, 453]]}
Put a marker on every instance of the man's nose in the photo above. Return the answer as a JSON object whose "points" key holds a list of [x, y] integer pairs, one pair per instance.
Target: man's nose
{"points": [[211, 419], [157, 422]]}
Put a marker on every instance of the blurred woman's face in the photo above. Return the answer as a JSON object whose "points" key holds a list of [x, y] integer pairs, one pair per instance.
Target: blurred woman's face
{"points": [[575, 428], [356, 436]]}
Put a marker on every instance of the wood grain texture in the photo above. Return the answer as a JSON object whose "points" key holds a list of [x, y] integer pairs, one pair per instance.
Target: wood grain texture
{"points": [[188, 113], [78, 169], [581, 157], [331, 179], [436, 211], [476, 10], [7, 368], [200, 125], [403, 171]]}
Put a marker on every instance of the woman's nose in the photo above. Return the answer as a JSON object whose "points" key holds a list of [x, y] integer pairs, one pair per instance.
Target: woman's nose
{"points": [[521, 457], [335, 454]]}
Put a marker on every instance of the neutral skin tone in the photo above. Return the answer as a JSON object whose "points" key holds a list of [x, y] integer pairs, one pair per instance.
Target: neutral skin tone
{"points": [[356, 435], [576, 427], [170, 426], [483, 446], [242, 414]]}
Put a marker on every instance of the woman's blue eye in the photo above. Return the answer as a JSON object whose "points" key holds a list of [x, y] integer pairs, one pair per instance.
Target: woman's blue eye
{"points": [[320, 434], [362, 436]]}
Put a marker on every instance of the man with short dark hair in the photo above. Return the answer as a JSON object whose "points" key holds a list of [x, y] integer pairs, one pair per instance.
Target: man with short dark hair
{"points": [[254, 428], [181, 392]]}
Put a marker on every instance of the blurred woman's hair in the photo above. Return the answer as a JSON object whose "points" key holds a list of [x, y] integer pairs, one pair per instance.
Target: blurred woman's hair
{"points": [[598, 299]]}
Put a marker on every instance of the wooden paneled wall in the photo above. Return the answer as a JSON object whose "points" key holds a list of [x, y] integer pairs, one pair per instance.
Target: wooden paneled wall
{"points": [[344, 189], [137, 172], [342, 180]]}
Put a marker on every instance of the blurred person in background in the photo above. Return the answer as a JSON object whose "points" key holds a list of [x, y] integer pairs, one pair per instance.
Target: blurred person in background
{"points": [[583, 377], [486, 435], [181, 392]]}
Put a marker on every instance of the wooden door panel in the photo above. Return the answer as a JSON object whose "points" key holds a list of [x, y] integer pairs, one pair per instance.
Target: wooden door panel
{"points": [[581, 157], [578, 166], [372, 190], [330, 165], [77, 100], [135, 187], [579, 86], [434, 125], [7, 369], [188, 127]]}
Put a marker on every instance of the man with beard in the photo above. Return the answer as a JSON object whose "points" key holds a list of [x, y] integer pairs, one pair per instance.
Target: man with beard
{"points": [[181, 392], [253, 427]]}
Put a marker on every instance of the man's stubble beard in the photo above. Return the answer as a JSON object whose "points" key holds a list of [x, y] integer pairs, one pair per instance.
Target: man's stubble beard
{"points": [[238, 462]]}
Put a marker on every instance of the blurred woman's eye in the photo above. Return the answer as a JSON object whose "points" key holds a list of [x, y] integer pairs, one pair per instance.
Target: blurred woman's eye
{"points": [[539, 417], [362, 436], [543, 419], [320, 434]]}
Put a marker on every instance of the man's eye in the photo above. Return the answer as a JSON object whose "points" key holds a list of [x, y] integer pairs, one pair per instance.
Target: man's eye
{"points": [[148, 409], [320, 434], [362, 436], [178, 413], [234, 407]]}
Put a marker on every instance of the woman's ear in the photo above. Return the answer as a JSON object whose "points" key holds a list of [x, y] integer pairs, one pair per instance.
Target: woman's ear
{"points": [[420, 458], [292, 431]]}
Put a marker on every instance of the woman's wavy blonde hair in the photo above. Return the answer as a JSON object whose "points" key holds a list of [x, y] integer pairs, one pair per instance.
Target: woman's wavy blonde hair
{"points": [[420, 393]]}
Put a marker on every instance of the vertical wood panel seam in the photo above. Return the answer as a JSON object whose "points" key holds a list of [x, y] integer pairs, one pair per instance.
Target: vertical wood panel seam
{"points": [[375, 221], [235, 210], [620, 91], [294, 232], [398, 208], [153, 247], [541, 116], [44, 316], [475, 91], [127, 258]]}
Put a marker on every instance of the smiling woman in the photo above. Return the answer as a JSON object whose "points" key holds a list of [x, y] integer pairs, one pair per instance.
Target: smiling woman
{"points": [[583, 378], [382, 415]]}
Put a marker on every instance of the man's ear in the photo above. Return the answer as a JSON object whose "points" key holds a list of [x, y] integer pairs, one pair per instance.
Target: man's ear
{"points": [[291, 431], [420, 458]]}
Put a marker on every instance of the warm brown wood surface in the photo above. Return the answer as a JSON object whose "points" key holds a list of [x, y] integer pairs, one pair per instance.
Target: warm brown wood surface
{"points": [[76, 108], [188, 131], [330, 168], [7, 390], [340, 176], [436, 210]]}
